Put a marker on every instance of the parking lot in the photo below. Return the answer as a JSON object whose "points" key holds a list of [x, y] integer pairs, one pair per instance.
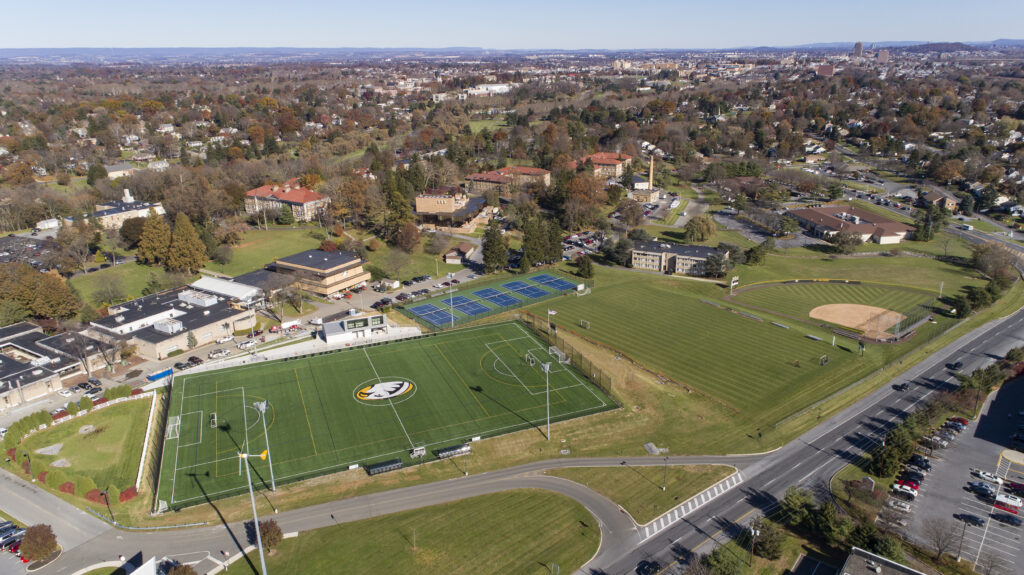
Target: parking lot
{"points": [[979, 536], [582, 243]]}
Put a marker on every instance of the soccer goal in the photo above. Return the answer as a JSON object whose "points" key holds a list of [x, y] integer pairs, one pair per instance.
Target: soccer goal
{"points": [[584, 324], [823, 360], [213, 420], [554, 351], [173, 427], [530, 360]]}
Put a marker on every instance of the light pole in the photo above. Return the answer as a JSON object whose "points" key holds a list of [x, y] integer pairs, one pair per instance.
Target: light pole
{"points": [[106, 496], [450, 276], [244, 457], [961, 549], [547, 393], [29, 460], [664, 484], [261, 406]]}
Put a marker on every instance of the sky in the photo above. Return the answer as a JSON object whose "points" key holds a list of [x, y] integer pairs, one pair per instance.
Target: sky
{"points": [[522, 24]]}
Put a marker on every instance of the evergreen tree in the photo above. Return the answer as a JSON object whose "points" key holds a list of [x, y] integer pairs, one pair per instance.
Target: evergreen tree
{"points": [[191, 340], [155, 239], [554, 245], [585, 267], [495, 251], [533, 244], [286, 217], [398, 213], [96, 173], [186, 252]]}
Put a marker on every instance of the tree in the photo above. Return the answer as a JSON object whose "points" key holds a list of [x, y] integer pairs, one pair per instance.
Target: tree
{"points": [[39, 542], [109, 290], [940, 532], [191, 341], [154, 240], [270, 534], [787, 225], [553, 253], [96, 173], [615, 193], [186, 252], [224, 254], [632, 213], [438, 243], [834, 191], [12, 312], [534, 243], [395, 262], [408, 237], [927, 221], [769, 541], [700, 228], [85, 403], [716, 265], [585, 267], [286, 217], [797, 506], [845, 242], [994, 262], [888, 546], [495, 251], [131, 231], [181, 569], [619, 252], [639, 235], [723, 561]]}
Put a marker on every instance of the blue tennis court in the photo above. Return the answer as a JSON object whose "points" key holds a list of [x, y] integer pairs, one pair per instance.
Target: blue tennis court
{"points": [[472, 308], [500, 299], [457, 300], [432, 314], [526, 289], [553, 282]]}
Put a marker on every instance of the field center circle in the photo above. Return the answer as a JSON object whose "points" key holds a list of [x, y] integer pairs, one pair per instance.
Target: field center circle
{"points": [[384, 402]]}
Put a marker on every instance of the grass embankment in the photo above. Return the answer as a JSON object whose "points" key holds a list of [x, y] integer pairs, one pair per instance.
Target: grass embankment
{"points": [[106, 571], [109, 454], [417, 263], [514, 532], [638, 489], [261, 247], [131, 277]]}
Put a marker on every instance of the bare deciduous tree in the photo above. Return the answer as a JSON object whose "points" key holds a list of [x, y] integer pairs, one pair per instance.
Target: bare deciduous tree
{"points": [[942, 534]]}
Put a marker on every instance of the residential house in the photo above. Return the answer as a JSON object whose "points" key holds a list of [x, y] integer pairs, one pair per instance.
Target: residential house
{"points": [[305, 204], [671, 258], [458, 253], [935, 198], [323, 273], [119, 170], [160, 324], [827, 221]]}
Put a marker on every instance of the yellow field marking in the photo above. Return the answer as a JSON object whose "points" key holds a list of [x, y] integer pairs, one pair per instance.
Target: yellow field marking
{"points": [[305, 412], [459, 375]]}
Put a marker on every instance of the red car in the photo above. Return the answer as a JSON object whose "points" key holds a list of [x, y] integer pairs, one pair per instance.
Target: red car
{"points": [[446, 284], [347, 295], [960, 420], [911, 484], [455, 281]]}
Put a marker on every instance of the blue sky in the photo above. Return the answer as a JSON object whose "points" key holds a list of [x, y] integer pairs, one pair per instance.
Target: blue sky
{"points": [[530, 24]]}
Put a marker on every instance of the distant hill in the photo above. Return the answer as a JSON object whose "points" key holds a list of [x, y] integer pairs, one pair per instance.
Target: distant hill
{"points": [[940, 47]]}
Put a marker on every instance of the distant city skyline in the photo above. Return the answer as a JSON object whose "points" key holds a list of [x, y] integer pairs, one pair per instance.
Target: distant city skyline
{"points": [[528, 24]]}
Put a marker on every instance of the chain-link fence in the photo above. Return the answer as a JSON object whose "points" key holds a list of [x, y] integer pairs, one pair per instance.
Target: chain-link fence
{"points": [[542, 328]]}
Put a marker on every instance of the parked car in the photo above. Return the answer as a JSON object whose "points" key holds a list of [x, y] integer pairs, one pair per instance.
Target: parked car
{"points": [[970, 519], [181, 365], [898, 505], [981, 488], [94, 393], [455, 281], [1007, 519], [912, 476], [65, 393], [94, 382], [225, 339], [195, 361], [247, 344], [82, 387], [909, 483], [219, 353], [987, 476], [960, 420], [904, 490]]}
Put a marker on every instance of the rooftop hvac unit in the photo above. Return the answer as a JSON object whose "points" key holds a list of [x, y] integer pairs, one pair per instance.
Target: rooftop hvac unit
{"points": [[197, 298], [168, 326]]}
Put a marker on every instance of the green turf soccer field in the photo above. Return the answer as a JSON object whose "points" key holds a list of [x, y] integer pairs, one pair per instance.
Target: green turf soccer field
{"points": [[362, 406]]}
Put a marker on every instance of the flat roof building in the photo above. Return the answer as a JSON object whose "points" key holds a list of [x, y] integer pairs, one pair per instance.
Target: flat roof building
{"points": [[671, 258], [324, 273], [33, 364]]}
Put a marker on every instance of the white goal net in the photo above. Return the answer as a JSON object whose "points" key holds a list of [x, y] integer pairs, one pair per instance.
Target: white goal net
{"points": [[173, 423], [555, 352]]}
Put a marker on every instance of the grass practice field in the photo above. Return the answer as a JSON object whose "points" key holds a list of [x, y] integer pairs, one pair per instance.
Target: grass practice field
{"points": [[760, 372], [362, 406]]}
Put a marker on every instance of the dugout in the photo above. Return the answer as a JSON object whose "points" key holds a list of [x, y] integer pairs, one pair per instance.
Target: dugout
{"points": [[454, 451], [383, 466]]}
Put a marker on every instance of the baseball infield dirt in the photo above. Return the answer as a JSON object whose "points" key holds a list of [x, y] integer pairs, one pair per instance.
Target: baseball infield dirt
{"points": [[872, 321]]}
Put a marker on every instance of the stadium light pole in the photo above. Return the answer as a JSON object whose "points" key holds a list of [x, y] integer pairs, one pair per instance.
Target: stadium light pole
{"points": [[450, 286], [252, 499], [547, 393], [261, 406]]}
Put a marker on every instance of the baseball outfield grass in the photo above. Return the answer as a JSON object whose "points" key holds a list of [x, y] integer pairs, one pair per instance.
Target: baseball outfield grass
{"points": [[363, 406], [638, 489], [513, 532], [798, 299]]}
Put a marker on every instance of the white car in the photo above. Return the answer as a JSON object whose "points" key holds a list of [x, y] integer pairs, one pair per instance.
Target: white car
{"points": [[904, 490], [247, 344], [898, 505], [65, 393], [225, 339], [985, 475], [219, 353]]}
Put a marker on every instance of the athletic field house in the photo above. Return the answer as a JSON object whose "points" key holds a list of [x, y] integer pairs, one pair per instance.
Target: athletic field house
{"points": [[377, 407]]}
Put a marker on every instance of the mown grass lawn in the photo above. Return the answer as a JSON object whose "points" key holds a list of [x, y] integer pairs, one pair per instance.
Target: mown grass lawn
{"points": [[132, 278], [638, 489], [513, 532], [419, 263], [797, 300], [109, 454], [261, 247], [491, 124]]}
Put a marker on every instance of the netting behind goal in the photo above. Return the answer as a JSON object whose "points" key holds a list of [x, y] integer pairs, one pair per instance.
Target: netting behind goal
{"points": [[555, 352]]}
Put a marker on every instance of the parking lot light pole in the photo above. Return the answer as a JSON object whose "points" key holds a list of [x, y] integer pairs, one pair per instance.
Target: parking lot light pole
{"points": [[106, 496], [29, 460], [244, 457], [261, 406], [959, 551]]}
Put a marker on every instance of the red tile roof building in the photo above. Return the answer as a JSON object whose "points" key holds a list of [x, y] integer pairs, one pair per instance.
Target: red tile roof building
{"points": [[509, 176], [305, 204], [608, 164]]}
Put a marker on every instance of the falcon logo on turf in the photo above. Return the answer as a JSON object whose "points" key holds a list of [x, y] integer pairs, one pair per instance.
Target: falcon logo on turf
{"points": [[385, 390]]}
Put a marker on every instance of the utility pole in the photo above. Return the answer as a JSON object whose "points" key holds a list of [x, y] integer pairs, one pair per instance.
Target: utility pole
{"points": [[664, 483], [753, 537], [244, 458], [261, 406]]}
